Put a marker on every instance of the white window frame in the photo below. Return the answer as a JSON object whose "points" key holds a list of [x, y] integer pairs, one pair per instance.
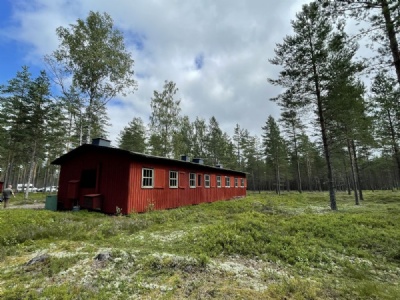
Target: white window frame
{"points": [[192, 179], [219, 181], [236, 182], [173, 179], [147, 178], [227, 182], [207, 181], [242, 182]]}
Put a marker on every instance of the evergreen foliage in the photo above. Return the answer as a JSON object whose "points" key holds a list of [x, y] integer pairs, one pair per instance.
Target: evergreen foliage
{"points": [[351, 143], [289, 246], [133, 136], [164, 120]]}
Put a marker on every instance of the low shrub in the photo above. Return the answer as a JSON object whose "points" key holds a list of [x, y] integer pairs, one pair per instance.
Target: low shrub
{"points": [[290, 246]]}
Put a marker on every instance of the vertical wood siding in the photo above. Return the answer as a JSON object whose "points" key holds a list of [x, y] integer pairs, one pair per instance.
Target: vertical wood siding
{"points": [[119, 181], [112, 172], [163, 197]]}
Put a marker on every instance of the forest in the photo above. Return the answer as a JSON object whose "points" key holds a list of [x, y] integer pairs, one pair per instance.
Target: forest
{"points": [[351, 143]]}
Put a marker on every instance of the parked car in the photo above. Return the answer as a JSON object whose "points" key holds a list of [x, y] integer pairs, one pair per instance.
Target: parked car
{"points": [[51, 188], [48, 189], [22, 187]]}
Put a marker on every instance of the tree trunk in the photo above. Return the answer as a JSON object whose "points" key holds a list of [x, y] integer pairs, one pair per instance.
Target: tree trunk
{"points": [[346, 175], [278, 180], [321, 118], [394, 142], [391, 34], [353, 175], [319, 185], [308, 163], [31, 170], [331, 187], [299, 187], [89, 124], [7, 172], [353, 146]]}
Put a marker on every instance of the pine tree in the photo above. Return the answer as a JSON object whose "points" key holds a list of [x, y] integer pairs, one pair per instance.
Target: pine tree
{"points": [[305, 58], [307, 151], [215, 143], [39, 105], [385, 109], [275, 149], [383, 19], [293, 127], [133, 136], [55, 144], [26, 106], [227, 155], [164, 119], [199, 138], [183, 139], [255, 165], [14, 116], [345, 109], [240, 139]]}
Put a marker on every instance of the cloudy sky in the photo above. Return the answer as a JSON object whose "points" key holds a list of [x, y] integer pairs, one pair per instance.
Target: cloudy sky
{"points": [[216, 51]]}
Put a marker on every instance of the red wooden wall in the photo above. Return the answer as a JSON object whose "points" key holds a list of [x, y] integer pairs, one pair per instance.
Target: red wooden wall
{"points": [[119, 182], [163, 197], [112, 184]]}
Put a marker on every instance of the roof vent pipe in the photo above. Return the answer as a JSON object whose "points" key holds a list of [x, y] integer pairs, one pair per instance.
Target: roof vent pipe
{"points": [[198, 161], [101, 142], [185, 158]]}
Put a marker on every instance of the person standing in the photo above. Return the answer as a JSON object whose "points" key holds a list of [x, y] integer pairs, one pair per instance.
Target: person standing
{"points": [[7, 195]]}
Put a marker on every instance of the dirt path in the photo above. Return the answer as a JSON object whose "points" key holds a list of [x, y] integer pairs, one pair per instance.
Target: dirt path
{"points": [[28, 206]]}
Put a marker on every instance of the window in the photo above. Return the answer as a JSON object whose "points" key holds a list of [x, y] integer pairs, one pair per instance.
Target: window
{"points": [[236, 182], [227, 181], [88, 179], [207, 181], [173, 179], [192, 180], [242, 182], [147, 178], [198, 179], [219, 181]]}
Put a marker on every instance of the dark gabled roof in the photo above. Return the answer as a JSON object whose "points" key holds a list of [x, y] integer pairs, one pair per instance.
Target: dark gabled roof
{"points": [[120, 152]]}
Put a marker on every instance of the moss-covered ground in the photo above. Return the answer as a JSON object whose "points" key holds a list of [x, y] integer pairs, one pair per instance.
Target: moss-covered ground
{"points": [[263, 246]]}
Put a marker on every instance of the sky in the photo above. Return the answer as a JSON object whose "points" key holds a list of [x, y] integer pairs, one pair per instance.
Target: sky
{"points": [[216, 51]]}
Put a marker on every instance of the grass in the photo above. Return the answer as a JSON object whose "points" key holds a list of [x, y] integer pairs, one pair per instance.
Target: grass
{"points": [[262, 247], [32, 198]]}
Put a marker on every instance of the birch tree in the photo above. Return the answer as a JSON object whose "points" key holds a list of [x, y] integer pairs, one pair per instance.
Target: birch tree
{"points": [[93, 53]]}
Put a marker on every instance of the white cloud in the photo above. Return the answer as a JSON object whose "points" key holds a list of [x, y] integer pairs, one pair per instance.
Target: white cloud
{"points": [[235, 38]]}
